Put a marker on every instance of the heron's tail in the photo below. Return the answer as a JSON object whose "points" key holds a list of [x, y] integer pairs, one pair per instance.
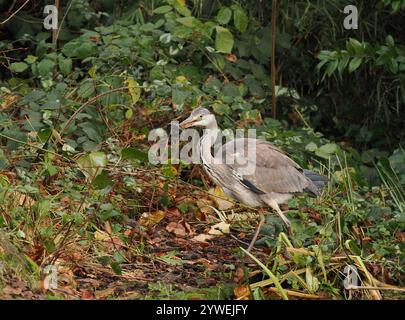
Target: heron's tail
{"points": [[317, 180]]}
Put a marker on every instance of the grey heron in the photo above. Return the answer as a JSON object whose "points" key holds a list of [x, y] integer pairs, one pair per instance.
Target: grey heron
{"points": [[274, 180]]}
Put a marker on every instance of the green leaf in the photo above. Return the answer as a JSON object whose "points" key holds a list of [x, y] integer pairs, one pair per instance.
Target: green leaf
{"points": [[86, 50], [169, 171], [342, 64], [271, 275], [91, 132], [81, 50], [224, 40], [30, 59], [162, 9], [116, 267], [65, 66], [179, 96], [353, 247], [224, 15], [171, 259], [390, 41], [92, 164], [134, 154], [326, 150], [240, 19], [354, 64], [45, 66], [18, 67], [129, 114], [332, 65], [329, 148], [102, 181], [187, 21], [311, 147], [183, 10], [86, 89]]}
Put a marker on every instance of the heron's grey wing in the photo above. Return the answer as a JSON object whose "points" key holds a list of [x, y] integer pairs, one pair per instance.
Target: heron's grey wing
{"points": [[275, 171]]}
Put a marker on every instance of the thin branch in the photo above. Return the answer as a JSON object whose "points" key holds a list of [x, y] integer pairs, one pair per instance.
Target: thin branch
{"points": [[74, 115], [273, 59], [13, 14]]}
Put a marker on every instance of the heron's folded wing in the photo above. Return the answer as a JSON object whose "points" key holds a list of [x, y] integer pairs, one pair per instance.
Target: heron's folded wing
{"points": [[274, 171]]}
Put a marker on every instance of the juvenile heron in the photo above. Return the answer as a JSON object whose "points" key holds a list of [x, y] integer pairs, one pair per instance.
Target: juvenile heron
{"points": [[273, 181]]}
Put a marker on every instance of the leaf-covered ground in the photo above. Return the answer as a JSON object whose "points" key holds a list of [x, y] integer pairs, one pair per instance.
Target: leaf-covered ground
{"points": [[141, 232]]}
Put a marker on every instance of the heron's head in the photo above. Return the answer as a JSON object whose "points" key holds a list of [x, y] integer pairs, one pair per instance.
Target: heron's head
{"points": [[200, 117]]}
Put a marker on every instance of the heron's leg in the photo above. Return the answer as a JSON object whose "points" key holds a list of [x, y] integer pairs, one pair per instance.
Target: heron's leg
{"points": [[274, 205], [258, 228]]}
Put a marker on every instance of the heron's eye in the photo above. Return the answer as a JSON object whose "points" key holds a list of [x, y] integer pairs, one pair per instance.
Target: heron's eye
{"points": [[200, 116]]}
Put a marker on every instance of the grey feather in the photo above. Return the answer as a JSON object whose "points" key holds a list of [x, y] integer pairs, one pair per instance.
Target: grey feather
{"points": [[275, 171]]}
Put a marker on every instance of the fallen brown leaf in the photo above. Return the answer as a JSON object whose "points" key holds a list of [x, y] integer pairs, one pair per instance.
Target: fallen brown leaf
{"points": [[238, 275], [180, 229], [242, 292], [231, 57], [202, 237], [148, 220], [87, 294], [176, 228]]}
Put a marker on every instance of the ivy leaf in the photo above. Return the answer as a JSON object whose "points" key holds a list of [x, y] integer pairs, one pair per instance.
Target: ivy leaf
{"points": [[224, 40]]}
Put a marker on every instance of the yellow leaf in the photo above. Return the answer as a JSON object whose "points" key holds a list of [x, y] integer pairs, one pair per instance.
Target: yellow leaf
{"points": [[57, 136], [181, 79], [134, 89], [148, 220], [92, 72], [202, 238], [221, 200], [7, 101], [219, 229]]}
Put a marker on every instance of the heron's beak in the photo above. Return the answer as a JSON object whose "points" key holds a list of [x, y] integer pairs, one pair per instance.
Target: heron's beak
{"points": [[189, 122]]}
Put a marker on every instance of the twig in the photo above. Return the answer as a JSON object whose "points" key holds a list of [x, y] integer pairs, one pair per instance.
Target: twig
{"points": [[34, 146], [273, 59], [74, 115], [63, 19], [13, 14]]}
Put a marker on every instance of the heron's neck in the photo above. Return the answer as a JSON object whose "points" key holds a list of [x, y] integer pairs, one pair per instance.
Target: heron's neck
{"points": [[207, 141]]}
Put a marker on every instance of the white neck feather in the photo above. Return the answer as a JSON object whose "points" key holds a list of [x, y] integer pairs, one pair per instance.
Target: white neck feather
{"points": [[207, 141]]}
